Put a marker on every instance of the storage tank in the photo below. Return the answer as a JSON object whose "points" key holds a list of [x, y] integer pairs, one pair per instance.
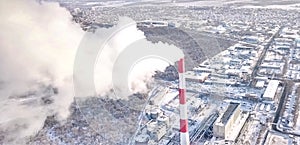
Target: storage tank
{"points": [[154, 113]]}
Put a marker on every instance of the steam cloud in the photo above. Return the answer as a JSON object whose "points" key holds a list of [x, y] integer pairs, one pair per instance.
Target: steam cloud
{"points": [[38, 44], [37, 47]]}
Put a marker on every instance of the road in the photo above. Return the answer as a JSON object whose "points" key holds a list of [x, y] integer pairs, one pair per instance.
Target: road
{"points": [[279, 109], [262, 56]]}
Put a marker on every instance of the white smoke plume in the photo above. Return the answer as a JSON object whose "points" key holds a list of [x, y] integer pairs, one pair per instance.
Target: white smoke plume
{"points": [[143, 71], [38, 44], [125, 37], [37, 47]]}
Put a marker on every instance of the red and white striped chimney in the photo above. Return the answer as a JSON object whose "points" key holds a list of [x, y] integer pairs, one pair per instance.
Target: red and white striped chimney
{"points": [[184, 132]]}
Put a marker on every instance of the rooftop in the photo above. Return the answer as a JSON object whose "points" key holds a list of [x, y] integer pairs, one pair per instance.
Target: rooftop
{"points": [[227, 114], [271, 89]]}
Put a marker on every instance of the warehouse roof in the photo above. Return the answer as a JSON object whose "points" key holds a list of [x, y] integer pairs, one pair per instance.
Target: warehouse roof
{"points": [[228, 113]]}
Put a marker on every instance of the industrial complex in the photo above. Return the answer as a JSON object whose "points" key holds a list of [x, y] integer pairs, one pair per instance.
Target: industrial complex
{"points": [[249, 84]]}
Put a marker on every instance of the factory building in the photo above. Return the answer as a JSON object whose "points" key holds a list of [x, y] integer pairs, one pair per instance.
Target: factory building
{"points": [[271, 90], [260, 84], [156, 131], [252, 39], [163, 120], [151, 24], [227, 82], [203, 70], [224, 123], [192, 77], [241, 47]]}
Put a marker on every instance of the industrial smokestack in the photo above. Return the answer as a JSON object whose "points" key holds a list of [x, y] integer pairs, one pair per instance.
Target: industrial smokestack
{"points": [[184, 132]]}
